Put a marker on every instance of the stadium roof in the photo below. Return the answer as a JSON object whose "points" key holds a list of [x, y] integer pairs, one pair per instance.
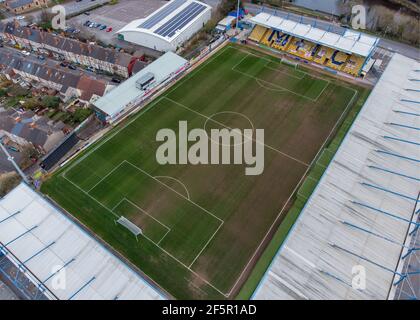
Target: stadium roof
{"points": [[170, 20], [117, 99], [349, 41], [363, 206], [44, 239]]}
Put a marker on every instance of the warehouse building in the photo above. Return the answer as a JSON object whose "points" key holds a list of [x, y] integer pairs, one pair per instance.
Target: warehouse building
{"points": [[168, 27]]}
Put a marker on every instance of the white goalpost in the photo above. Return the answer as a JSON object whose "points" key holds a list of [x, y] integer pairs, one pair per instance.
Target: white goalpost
{"points": [[134, 229]]}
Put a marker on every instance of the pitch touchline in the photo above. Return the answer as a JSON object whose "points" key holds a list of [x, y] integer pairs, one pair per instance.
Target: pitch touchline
{"points": [[227, 127], [146, 237], [152, 104], [294, 191]]}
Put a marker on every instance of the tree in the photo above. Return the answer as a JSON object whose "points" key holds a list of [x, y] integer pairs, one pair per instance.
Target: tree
{"points": [[81, 115], [8, 181], [51, 102]]}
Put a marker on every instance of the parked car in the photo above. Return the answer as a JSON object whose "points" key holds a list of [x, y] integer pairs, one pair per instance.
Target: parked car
{"points": [[90, 69], [64, 64], [109, 29], [103, 27], [72, 67], [20, 17], [97, 25], [25, 53], [87, 23], [41, 57], [116, 80]]}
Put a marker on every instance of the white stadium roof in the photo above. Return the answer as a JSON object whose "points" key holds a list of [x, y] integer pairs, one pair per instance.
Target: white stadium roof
{"points": [[38, 234], [350, 41], [127, 92], [363, 207], [169, 21]]}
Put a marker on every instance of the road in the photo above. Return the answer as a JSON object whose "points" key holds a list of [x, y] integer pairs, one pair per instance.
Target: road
{"points": [[393, 46]]}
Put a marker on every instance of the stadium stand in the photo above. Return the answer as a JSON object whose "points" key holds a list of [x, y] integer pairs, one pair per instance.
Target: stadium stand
{"points": [[40, 244], [282, 42], [257, 33], [364, 212], [346, 51]]}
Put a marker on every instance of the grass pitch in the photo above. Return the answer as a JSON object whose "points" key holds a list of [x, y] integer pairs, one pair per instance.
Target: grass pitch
{"points": [[205, 225]]}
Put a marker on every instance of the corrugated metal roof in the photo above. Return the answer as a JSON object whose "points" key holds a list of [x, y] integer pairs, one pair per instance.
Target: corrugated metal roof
{"points": [[350, 41], [117, 99], [361, 210], [45, 240], [170, 20]]}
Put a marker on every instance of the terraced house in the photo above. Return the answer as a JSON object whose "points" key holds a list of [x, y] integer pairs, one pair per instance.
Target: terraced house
{"points": [[90, 55], [20, 6], [67, 84]]}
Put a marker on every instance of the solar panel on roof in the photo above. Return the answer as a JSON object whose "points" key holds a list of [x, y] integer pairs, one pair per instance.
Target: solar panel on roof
{"points": [[160, 15], [180, 20]]}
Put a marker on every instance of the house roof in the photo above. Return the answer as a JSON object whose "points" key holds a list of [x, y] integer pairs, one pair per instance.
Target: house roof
{"points": [[69, 45], [90, 87], [13, 4]]}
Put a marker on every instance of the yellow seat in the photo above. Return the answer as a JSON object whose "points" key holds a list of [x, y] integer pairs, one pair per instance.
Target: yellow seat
{"points": [[257, 33], [354, 65], [265, 40], [323, 54], [339, 57], [284, 47]]}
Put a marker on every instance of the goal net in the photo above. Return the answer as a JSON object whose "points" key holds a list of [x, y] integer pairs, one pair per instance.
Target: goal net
{"points": [[130, 226]]}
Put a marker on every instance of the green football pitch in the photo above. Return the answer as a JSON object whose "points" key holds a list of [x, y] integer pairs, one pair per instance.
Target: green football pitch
{"points": [[204, 226]]}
